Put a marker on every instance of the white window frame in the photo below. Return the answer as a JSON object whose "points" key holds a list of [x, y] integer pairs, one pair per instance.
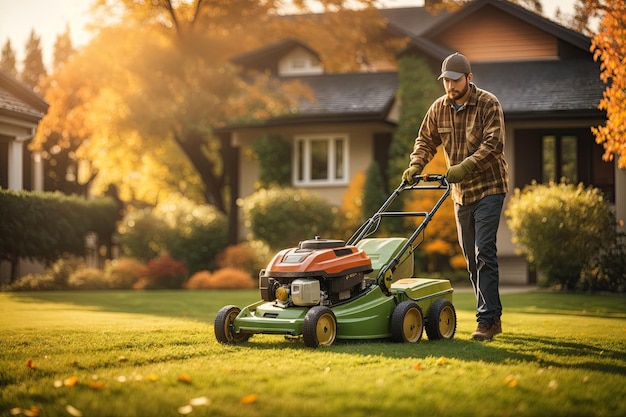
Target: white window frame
{"points": [[332, 176]]}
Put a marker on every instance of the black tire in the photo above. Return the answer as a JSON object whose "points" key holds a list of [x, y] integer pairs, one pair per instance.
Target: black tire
{"points": [[441, 320], [407, 322], [319, 327], [223, 326]]}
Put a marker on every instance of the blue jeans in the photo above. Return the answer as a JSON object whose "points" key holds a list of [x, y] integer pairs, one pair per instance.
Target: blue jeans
{"points": [[477, 226]]}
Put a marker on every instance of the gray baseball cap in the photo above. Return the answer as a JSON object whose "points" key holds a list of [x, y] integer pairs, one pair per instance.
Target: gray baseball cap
{"points": [[455, 66]]}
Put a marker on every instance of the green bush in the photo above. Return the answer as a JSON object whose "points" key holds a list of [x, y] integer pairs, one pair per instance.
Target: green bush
{"points": [[282, 217], [141, 235], [607, 272], [560, 228], [192, 233]]}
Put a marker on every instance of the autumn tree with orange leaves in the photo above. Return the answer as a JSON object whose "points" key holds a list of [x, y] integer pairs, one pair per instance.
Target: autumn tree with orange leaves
{"points": [[609, 47]]}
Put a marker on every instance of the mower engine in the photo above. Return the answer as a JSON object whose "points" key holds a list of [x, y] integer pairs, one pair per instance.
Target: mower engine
{"points": [[317, 272]]}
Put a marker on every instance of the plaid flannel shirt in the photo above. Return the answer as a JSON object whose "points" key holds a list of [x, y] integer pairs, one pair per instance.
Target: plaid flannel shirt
{"points": [[476, 131]]}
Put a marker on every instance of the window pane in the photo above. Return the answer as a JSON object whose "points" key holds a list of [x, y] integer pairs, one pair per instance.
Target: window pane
{"points": [[569, 158], [339, 163], [319, 159], [548, 158]]}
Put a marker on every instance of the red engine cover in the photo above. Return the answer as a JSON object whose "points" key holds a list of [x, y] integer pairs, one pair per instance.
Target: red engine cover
{"points": [[319, 258]]}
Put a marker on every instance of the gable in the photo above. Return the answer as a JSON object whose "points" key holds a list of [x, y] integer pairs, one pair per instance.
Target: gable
{"points": [[493, 35], [299, 61]]}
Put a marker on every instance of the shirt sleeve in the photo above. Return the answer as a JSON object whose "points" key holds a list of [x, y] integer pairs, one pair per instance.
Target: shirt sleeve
{"points": [[427, 140]]}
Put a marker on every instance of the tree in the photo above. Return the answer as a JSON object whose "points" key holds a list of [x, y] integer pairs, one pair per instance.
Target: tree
{"points": [[33, 70], [8, 62], [63, 49], [164, 84], [609, 47]]}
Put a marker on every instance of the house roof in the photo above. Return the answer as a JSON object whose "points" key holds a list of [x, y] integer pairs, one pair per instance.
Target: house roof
{"points": [[345, 97], [527, 89], [19, 101], [546, 88]]}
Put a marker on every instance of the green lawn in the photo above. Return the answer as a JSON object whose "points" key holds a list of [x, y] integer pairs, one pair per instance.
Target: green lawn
{"points": [[153, 353]]}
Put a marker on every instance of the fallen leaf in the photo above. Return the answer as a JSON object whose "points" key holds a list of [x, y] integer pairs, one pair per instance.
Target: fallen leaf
{"points": [[152, 377], [418, 366], [199, 401], [96, 385], [58, 383], [553, 384], [249, 399], [121, 378], [15, 411], [184, 410], [122, 359], [33, 411], [70, 382], [30, 364], [441, 360], [73, 411], [184, 378]]}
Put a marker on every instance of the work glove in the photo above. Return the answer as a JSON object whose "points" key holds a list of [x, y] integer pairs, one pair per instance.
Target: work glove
{"points": [[457, 172], [408, 174]]}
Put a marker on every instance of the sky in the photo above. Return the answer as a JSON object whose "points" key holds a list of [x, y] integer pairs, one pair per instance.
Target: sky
{"points": [[48, 18]]}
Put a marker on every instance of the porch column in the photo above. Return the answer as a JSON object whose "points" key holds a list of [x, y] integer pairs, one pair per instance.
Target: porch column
{"points": [[16, 153]]}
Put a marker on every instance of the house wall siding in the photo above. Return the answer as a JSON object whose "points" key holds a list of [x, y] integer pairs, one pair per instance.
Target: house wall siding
{"points": [[492, 35], [361, 137]]}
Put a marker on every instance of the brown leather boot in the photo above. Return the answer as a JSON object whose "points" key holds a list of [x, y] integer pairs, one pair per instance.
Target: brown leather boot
{"points": [[487, 331]]}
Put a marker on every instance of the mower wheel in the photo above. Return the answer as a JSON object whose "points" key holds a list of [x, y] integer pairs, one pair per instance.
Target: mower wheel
{"points": [[441, 320], [319, 327], [407, 322], [223, 326]]}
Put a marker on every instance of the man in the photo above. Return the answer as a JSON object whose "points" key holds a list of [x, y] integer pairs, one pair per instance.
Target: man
{"points": [[469, 124]]}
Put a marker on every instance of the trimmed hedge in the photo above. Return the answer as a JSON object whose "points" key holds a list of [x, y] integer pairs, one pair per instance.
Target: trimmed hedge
{"points": [[43, 226]]}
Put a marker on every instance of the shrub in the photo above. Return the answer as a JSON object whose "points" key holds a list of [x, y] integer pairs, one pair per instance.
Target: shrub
{"points": [[607, 272], [164, 272], [196, 233], [63, 268], [224, 278], [560, 228], [34, 282], [245, 256], [88, 279], [282, 217], [192, 233], [123, 273], [142, 235]]}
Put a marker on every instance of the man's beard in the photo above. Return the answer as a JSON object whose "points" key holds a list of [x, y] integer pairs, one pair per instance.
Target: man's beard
{"points": [[455, 95]]}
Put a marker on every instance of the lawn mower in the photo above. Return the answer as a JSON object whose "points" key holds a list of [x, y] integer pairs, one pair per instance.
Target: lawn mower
{"points": [[362, 288]]}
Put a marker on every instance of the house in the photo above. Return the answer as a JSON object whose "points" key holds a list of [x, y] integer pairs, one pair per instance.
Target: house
{"points": [[21, 109], [543, 73]]}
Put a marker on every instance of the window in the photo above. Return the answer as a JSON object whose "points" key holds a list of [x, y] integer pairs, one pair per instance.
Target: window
{"points": [[552, 154], [321, 159], [560, 158]]}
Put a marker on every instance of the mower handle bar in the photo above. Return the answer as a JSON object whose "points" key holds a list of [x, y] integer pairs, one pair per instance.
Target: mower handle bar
{"points": [[372, 224]]}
